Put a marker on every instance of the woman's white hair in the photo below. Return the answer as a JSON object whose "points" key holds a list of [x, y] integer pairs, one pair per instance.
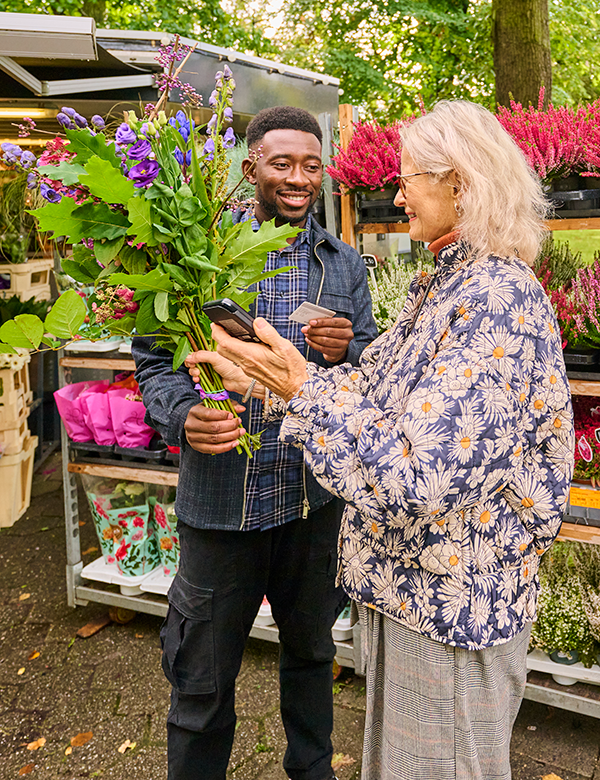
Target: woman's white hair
{"points": [[501, 205]]}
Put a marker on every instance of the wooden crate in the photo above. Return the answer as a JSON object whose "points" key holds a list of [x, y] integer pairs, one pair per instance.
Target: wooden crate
{"points": [[16, 474], [27, 280]]}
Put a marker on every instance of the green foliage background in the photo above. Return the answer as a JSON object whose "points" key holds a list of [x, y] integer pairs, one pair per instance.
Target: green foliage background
{"points": [[389, 54]]}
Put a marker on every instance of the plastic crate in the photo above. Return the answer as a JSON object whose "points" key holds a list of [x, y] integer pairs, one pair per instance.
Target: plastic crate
{"points": [[13, 383], [27, 280], [584, 505], [13, 410], [12, 440], [16, 473]]}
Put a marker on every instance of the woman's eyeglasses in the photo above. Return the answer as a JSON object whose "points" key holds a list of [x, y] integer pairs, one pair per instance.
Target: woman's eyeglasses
{"points": [[402, 183]]}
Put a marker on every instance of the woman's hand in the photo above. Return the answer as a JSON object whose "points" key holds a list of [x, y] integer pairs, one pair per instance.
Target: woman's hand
{"points": [[234, 379], [277, 364]]}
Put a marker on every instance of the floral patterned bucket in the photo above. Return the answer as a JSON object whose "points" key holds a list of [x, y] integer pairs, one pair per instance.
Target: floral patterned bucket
{"points": [[125, 531], [165, 522]]}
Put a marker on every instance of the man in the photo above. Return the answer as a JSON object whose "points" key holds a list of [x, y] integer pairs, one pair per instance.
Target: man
{"points": [[250, 527]]}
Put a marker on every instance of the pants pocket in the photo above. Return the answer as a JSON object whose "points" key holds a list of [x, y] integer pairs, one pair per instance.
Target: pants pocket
{"points": [[187, 638]]}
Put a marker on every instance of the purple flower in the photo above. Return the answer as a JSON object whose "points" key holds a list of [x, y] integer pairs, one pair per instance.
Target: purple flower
{"points": [[182, 123], [64, 120], [144, 173], [180, 158], [12, 153], [52, 196], [227, 73], [28, 159], [228, 114], [124, 134], [229, 138], [98, 122], [212, 100], [80, 121], [140, 150], [209, 149], [210, 127], [70, 112], [31, 181]]}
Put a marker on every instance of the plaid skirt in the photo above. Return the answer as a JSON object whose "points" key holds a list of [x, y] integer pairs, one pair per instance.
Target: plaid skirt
{"points": [[436, 712]]}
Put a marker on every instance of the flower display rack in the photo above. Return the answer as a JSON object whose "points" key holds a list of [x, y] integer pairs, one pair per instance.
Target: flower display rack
{"points": [[96, 581], [27, 280]]}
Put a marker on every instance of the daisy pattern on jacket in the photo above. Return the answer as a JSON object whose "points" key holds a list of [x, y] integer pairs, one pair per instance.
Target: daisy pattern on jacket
{"points": [[454, 454]]}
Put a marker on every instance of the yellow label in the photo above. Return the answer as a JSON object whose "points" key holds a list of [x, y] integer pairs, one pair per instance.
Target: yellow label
{"points": [[585, 497]]}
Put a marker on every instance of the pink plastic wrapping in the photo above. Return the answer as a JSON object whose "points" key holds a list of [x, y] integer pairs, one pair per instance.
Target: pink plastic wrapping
{"points": [[70, 407], [128, 419]]}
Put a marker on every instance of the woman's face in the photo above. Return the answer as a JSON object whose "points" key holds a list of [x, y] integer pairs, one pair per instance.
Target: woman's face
{"points": [[429, 204]]}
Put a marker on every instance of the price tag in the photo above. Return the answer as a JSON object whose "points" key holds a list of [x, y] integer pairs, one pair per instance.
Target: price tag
{"points": [[585, 497]]}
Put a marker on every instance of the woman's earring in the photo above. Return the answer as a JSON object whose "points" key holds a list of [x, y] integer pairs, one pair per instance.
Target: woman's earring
{"points": [[457, 207]]}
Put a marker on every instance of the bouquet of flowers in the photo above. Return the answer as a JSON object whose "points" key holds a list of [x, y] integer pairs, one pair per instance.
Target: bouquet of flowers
{"points": [[147, 213]]}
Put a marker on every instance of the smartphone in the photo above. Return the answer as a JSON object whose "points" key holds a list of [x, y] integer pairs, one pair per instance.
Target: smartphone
{"points": [[230, 315]]}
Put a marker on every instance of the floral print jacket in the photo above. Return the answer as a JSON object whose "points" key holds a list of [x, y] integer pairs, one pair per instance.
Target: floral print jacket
{"points": [[452, 445]]}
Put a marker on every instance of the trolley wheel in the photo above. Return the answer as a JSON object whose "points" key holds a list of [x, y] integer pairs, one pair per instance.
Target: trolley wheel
{"points": [[121, 615]]}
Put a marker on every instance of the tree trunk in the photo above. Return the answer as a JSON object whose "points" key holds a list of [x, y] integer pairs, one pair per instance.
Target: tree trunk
{"points": [[522, 60]]}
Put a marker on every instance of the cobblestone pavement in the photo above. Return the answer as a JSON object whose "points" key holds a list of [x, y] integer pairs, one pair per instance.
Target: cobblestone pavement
{"points": [[110, 686]]}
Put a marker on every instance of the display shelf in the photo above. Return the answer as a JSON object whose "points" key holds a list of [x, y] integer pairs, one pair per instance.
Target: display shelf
{"points": [[100, 571], [584, 387], [108, 364], [587, 223], [540, 662], [158, 475], [582, 698], [574, 532]]}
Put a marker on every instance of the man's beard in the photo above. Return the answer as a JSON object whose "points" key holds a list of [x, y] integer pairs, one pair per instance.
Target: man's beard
{"points": [[270, 207]]}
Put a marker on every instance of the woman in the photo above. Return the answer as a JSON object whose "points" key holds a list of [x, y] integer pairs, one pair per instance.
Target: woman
{"points": [[452, 445]]}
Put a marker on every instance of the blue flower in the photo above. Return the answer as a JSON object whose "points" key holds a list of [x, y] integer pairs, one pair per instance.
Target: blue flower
{"points": [[209, 149], [70, 112], [183, 124], [49, 194], [80, 121], [212, 100], [98, 122], [12, 153], [211, 125], [31, 181], [28, 159], [229, 138], [228, 114], [124, 134], [140, 150], [180, 158], [65, 121]]}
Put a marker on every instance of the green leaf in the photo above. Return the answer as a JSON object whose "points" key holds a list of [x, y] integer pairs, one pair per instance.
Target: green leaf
{"points": [[248, 245], [122, 327], [86, 145], [66, 172], [141, 221], [66, 316], [161, 306], [107, 250], [197, 183], [134, 260], [99, 221], [146, 321], [50, 342], [155, 281], [106, 182], [6, 349], [57, 218], [189, 209], [82, 266], [177, 274], [26, 330], [182, 351]]}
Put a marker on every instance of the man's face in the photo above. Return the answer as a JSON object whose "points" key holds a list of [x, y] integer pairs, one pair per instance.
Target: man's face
{"points": [[287, 177]]}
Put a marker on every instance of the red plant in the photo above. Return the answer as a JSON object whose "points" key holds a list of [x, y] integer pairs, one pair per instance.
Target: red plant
{"points": [[556, 141], [372, 159], [586, 412], [577, 307]]}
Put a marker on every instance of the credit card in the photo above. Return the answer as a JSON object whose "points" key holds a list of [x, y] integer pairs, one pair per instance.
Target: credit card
{"points": [[310, 311]]}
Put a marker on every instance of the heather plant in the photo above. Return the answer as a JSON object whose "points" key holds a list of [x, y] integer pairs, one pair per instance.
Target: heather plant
{"points": [[556, 265], [552, 140], [577, 307], [562, 623], [390, 286], [372, 159]]}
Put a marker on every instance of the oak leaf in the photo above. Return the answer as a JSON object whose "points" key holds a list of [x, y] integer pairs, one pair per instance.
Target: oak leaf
{"points": [[340, 759], [36, 744], [25, 770], [33, 656]]}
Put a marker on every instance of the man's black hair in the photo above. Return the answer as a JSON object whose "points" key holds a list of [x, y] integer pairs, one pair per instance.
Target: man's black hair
{"points": [[282, 118]]}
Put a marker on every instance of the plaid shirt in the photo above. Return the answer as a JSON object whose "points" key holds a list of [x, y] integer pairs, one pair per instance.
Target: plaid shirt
{"points": [[275, 483]]}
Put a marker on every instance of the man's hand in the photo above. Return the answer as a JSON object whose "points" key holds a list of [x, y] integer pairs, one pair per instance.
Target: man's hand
{"points": [[234, 379], [213, 431], [330, 336]]}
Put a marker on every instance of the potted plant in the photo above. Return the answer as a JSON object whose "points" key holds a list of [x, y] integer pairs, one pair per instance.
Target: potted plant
{"points": [[370, 167], [562, 629], [562, 145], [588, 567]]}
